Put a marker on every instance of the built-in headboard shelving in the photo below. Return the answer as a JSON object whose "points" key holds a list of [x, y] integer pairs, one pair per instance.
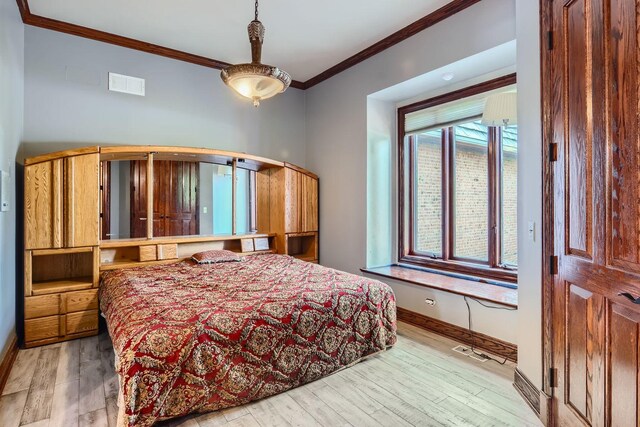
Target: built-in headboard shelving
{"points": [[115, 254], [64, 254]]}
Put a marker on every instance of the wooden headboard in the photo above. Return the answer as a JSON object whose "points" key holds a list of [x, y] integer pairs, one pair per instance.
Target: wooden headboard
{"points": [[64, 253]]}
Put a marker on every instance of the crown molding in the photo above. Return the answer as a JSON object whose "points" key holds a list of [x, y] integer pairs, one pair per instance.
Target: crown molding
{"points": [[421, 24]]}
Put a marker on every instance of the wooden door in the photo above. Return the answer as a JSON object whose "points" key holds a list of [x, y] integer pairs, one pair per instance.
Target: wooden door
{"points": [[309, 202], [292, 202], [181, 208], [138, 198], [596, 334], [105, 200], [161, 196], [43, 200], [175, 198], [82, 200]]}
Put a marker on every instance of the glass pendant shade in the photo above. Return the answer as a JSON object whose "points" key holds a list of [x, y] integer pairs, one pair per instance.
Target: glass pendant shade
{"points": [[256, 80]]}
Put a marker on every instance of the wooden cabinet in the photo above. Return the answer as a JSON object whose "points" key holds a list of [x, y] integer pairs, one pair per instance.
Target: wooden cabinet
{"points": [[63, 252], [61, 295], [300, 202], [293, 201], [62, 202], [292, 211]]}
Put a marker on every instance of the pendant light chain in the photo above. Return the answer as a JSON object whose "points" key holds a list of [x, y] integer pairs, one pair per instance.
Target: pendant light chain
{"points": [[256, 10]]}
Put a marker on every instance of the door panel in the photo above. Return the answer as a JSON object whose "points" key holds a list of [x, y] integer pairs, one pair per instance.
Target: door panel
{"points": [[138, 198], [175, 198], [43, 205], [594, 74], [181, 210], [624, 134], [624, 366], [161, 196], [82, 200], [578, 137], [292, 217], [309, 204], [585, 353]]}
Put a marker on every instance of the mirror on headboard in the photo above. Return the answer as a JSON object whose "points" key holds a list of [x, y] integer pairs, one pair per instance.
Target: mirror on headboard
{"points": [[117, 185], [190, 198]]}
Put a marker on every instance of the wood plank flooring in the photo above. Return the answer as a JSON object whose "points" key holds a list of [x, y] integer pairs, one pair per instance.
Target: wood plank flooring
{"points": [[419, 382]]}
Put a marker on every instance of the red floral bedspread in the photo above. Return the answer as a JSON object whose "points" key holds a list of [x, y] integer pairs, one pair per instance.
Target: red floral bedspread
{"points": [[197, 338]]}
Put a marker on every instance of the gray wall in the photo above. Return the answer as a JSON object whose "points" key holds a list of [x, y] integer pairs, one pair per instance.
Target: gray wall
{"points": [[529, 184], [338, 145], [11, 115], [67, 103]]}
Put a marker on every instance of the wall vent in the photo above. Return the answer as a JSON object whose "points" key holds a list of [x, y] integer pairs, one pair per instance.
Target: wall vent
{"points": [[126, 84]]}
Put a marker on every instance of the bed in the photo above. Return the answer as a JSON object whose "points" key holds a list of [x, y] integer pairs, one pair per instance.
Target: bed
{"points": [[198, 338]]}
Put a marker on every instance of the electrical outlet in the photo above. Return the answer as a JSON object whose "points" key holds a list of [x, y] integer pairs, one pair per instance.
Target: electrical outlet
{"points": [[205, 209], [430, 301]]}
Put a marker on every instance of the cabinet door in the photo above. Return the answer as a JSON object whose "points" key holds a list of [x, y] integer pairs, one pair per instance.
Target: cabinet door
{"points": [[43, 205], [82, 200], [292, 202], [309, 208]]}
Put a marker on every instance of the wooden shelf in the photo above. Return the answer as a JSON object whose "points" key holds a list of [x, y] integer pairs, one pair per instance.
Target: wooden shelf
{"points": [[128, 263], [106, 244], [303, 246], [305, 258], [131, 263], [267, 251], [62, 285]]}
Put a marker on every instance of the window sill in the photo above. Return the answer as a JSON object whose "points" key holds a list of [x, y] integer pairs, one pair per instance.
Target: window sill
{"points": [[475, 289]]}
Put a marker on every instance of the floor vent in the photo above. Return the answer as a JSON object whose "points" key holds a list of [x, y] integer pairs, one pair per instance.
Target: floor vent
{"points": [[467, 352]]}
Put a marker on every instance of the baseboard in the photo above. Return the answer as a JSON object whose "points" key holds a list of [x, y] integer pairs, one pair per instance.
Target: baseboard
{"points": [[527, 390], [479, 340], [546, 409], [7, 361]]}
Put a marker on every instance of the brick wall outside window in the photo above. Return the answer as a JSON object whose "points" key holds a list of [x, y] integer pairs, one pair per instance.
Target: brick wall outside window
{"points": [[471, 200]]}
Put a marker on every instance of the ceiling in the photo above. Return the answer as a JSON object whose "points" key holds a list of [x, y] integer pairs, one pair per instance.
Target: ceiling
{"points": [[302, 37]]}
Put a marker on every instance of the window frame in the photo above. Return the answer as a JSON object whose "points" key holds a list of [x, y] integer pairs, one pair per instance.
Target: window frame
{"points": [[406, 183]]}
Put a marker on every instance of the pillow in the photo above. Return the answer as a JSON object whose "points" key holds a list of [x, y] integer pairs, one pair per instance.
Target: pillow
{"points": [[215, 256]]}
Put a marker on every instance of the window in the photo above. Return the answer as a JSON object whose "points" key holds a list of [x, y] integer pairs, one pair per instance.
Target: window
{"points": [[458, 182]]}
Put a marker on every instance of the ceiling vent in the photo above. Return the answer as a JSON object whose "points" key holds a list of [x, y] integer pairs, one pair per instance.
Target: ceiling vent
{"points": [[126, 84]]}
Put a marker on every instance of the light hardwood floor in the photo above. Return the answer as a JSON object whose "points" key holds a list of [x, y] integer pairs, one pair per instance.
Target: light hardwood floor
{"points": [[419, 382]]}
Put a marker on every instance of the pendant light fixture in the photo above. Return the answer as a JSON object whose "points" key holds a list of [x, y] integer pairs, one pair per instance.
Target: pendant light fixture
{"points": [[256, 80]]}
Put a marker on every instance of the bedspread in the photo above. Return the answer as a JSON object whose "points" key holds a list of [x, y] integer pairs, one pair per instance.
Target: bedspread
{"points": [[197, 338]]}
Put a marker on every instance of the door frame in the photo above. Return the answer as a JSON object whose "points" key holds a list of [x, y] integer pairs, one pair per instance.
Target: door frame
{"points": [[548, 226]]}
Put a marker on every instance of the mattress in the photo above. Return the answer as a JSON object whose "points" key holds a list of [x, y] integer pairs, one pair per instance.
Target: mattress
{"points": [[197, 338]]}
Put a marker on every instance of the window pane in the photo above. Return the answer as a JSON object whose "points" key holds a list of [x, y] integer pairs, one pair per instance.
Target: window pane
{"points": [[509, 195], [471, 198], [428, 193]]}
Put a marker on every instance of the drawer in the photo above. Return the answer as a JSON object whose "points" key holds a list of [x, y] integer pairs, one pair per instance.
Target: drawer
{"points": [[168, 251], [42, 328], [83, 321], [82, 300], [41, 306], [147, 253]]}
